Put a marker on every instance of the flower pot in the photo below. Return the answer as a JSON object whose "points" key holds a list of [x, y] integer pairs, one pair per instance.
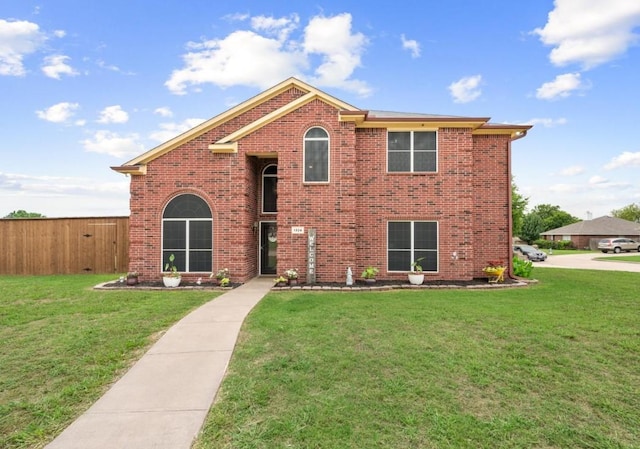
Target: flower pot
{"points": [[293, 282], [132, 280], [416, 278], [171, 281], [370, 280]]}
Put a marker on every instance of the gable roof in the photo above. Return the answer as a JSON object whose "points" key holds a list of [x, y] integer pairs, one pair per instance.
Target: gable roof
{"points": [[598, 226], [347, 112]]}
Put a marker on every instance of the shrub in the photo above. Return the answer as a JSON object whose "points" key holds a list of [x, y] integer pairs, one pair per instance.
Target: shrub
{"points": [[522, 268], [554, 244]]}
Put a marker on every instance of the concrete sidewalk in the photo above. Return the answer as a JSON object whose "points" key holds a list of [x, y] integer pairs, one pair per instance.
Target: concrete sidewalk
{"points": [[162, 401]]}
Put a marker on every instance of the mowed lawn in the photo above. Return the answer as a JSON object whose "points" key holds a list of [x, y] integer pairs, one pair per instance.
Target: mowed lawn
{"points": [[553, 365], [62, 344]]}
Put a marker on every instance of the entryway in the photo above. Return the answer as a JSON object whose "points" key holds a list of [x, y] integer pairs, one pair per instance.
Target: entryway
{"points": [[268, 247]]}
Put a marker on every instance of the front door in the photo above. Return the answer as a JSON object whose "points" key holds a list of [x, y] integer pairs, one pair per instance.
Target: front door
{"points": [[268, 247]]}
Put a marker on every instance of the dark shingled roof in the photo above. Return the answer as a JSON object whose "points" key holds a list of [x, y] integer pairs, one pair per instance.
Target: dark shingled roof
{"points": [[599, 226]]}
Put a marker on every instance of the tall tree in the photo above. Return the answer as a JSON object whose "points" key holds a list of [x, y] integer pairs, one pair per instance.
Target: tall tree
{"points": [[24, 214], [553, 217], [630, 212], [518, 206], [532, 226]]}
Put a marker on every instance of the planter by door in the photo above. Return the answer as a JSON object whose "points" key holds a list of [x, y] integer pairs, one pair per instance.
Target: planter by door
{"points": [[416, 278], [170, 281]]}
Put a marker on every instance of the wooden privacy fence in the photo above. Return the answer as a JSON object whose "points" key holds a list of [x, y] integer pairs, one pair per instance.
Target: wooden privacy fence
{"points": [[64, 245]]}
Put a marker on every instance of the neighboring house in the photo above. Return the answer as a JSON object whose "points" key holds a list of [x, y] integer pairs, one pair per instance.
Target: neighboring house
{"points": [[296, 178], [585, 234]]}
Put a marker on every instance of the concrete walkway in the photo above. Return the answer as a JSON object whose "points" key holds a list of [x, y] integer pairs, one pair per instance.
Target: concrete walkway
{"points": [[162, 401]]}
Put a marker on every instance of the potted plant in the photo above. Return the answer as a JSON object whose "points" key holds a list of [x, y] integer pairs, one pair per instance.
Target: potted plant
{"points": [[132, 278], [292, 276], [416, 276], [222, 273], [280, 281], [224, 282], [171, 276], [495, 271], [369, 274]]}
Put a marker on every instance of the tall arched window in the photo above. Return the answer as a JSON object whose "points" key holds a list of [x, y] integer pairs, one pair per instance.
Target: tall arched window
{"points": [[316, 155], [187, 233], [270, 189]]}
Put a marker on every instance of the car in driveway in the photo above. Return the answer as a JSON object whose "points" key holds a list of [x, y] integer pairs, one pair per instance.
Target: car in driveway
{"points": [[531, 253], [617, 245]]}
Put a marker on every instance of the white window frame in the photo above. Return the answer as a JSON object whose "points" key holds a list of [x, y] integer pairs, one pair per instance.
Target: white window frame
{"points": [[304, 155], [411, 149], [413, 249]]}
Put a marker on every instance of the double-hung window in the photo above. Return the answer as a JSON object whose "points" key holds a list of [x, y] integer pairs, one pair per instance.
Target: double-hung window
{"points": [[408, 241], [187, 233], [412, 151], [316, 155]]}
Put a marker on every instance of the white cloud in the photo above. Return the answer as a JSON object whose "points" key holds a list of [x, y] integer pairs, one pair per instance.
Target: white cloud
{"points": [[106, 142], [412, 45], [590, 32], [113, 114], [163, 112], [466, 89], [56, 65], [18, 39], [58, 113], [572, 171], [597, 179], [268, 53], [547, 122], [626, 159], [168, 131], [561, 86]]}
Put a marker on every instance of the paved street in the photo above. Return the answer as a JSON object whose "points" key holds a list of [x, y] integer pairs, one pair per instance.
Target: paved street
{"points": [[586, 261]]}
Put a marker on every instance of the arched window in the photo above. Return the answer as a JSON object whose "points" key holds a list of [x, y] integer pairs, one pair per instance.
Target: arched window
{"points": [[270, 189], [316, 155], [187, 233]]}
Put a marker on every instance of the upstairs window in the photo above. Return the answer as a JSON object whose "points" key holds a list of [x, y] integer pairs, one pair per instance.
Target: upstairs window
{"points": [[412, 151], [270, 189], [187, 233], [316, 155]]}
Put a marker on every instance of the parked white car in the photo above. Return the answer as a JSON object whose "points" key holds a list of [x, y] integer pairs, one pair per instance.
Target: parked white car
{"points": [[618, 245]]}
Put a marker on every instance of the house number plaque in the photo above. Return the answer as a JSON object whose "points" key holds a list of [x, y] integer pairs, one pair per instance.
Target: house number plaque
{"points": [[311, 256]]}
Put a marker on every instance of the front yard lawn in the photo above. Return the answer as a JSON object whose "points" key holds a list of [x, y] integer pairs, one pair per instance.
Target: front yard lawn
{"points": [[553, 365]]}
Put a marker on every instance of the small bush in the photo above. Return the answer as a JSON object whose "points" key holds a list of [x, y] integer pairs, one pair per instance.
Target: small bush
{"points": [[557, 244], [522, 268]]}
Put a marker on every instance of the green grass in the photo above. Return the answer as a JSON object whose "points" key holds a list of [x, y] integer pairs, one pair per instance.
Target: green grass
{"points": [[553, 365], [562, 252], [632, 259], [62, 344]]}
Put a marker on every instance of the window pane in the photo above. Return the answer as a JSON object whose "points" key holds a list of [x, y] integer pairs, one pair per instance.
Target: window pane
{"points": [[316, 133], [424, 161], [425, 235], [270, 194], [430, 261], [199, 235], [200, 261], [399, 141], [316, 161], [399, 235], [399, 260], [424, 140], [399, 161], [187, 206], [174, 235]]}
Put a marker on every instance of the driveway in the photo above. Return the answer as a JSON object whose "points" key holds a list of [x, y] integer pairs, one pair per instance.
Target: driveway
{"points": [[586, 261]]}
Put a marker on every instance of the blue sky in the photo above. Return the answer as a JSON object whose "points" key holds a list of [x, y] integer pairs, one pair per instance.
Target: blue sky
{"points": [[89, 85]]}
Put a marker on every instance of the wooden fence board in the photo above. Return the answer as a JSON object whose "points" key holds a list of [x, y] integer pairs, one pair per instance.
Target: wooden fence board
{"points": [[64, 245]]}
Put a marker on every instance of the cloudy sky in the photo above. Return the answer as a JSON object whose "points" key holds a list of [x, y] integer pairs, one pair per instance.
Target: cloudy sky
{"points": [[89, 85]]}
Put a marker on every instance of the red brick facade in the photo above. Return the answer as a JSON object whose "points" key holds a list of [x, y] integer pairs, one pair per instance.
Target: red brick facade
{"points": [[468, 197]]}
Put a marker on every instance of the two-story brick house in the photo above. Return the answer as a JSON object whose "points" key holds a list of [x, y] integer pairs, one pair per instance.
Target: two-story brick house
{"points": [[296, 178]]}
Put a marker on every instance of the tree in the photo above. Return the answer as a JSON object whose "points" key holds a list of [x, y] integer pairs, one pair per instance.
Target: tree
{"points": [[518, 205], [532, 226], [24, 214], [553, 217], [630, 212]]}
